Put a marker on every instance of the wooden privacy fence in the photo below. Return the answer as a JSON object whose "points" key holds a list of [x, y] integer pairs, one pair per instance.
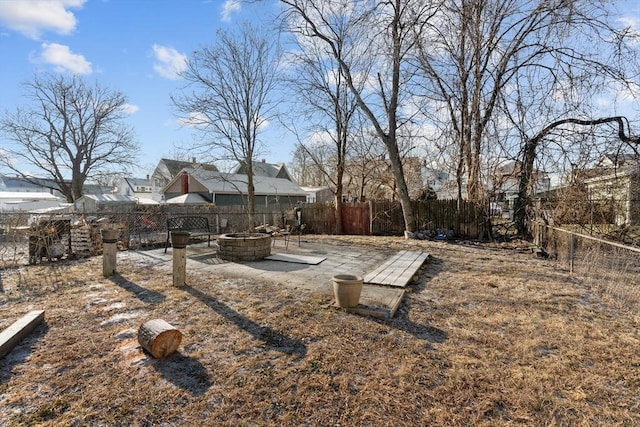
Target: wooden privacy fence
{"points": [[147, 226], [385, 218]]}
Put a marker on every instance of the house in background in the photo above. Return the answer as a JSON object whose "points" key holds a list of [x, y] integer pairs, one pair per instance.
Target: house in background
{"points": [[614, 184], [444, 185], [262, 168], [91, 203], [19, 194], [616, 161], [228, 189], [505, 182], [28, 201], [319, 194], [168, 169], [140, 188]]}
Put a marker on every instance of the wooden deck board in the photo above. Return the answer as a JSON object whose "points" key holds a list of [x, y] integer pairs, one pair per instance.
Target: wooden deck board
{"points": [[397, 270], [382, 272]]}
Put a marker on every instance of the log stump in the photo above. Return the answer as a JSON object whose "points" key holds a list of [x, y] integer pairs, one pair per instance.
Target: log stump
{"points": [[159, 338]]}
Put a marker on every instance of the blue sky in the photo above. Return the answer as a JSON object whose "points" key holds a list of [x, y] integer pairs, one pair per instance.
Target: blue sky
{"points": [[137, 46], [133, 46]]}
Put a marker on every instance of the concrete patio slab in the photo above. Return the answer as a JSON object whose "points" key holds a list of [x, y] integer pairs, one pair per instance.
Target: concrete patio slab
{"points": [[377, 301]]}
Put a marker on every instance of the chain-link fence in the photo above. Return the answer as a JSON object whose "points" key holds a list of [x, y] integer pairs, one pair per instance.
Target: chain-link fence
{"points": [[611, 267], [32, 238]]}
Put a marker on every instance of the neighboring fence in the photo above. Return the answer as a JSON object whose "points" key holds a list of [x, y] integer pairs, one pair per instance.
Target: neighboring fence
{"points": [[612, 267], [385, 218]]}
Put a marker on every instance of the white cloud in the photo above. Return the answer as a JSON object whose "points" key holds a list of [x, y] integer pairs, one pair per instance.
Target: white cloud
{"points": [[193, 120], [633, 25], [229, 7], [169, 62], [33, 17], [130, 109], [61, 57]]}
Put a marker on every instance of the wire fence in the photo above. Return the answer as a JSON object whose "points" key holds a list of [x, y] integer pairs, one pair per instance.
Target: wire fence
{"points": [[613, 268], [29, 238]]}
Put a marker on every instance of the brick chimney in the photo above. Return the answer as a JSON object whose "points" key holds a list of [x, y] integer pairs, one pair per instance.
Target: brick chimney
{"points": [[185, 183]]}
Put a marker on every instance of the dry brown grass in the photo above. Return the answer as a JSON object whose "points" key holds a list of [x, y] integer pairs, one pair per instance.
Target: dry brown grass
{"points": [[486, 336]]}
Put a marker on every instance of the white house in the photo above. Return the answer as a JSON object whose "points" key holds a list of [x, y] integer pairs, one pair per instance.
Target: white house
{"points": [[19, 194], [27, 201], [140, 188], [318, 194]]}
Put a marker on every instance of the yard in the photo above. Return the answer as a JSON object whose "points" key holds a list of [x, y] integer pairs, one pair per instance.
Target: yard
{"points": [[486, 335]]}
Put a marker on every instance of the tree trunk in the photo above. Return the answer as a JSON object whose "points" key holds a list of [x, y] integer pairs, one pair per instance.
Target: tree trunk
{"points": [[523, 201], [159, 338], [402, 189], [338, 200], [251, 197]]}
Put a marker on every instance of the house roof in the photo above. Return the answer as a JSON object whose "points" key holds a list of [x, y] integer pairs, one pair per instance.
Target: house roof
{"points": [[616, 160], [12, 183], [27, 195], [228, 183], [314, 189], [612, 175], [175, 166], [188, 199], [138, 182], [272, 170], [109, 198]]}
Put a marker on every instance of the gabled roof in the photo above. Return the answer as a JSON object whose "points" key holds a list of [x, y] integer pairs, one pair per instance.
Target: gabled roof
{"points": [[612, 175], [229, 183], [175, 166], [16, 183], [271, 170], [617, 160], [138, 182]]}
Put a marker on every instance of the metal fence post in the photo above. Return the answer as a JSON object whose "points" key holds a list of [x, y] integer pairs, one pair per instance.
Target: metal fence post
{"points": [[571, 251]]}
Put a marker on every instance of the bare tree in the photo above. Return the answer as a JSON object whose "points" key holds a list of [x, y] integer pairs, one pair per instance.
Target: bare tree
{"points": [[522, 204], [487, 61], [229, 98], [329, 108], [71, 132], [375, 39], [367, 170], [305, 169]]}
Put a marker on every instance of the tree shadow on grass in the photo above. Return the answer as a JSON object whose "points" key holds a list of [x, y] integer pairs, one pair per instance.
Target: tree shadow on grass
{"points": [[143, 294], [274, 340], [21, 352], [401, 322], [184, 372]]}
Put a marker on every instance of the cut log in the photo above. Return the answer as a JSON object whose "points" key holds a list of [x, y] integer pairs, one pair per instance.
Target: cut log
{"points": [[22, 327], [159, 338]]}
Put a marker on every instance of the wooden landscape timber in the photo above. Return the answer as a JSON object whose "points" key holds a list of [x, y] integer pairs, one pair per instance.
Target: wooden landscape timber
{"points": [[18, 330]]}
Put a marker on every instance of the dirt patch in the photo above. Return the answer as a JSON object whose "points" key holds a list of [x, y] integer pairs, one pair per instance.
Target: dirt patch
{"points": [[486, 335]]}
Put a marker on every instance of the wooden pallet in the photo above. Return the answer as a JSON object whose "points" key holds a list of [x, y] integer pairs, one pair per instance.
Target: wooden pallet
{"points": [[397, 270]]}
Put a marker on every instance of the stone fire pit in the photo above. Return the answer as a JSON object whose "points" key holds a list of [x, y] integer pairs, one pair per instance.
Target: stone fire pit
{"points": [[244, 246]]}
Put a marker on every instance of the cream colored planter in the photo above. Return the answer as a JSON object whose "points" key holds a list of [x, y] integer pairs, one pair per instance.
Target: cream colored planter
{"points": [[347, 289]]}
